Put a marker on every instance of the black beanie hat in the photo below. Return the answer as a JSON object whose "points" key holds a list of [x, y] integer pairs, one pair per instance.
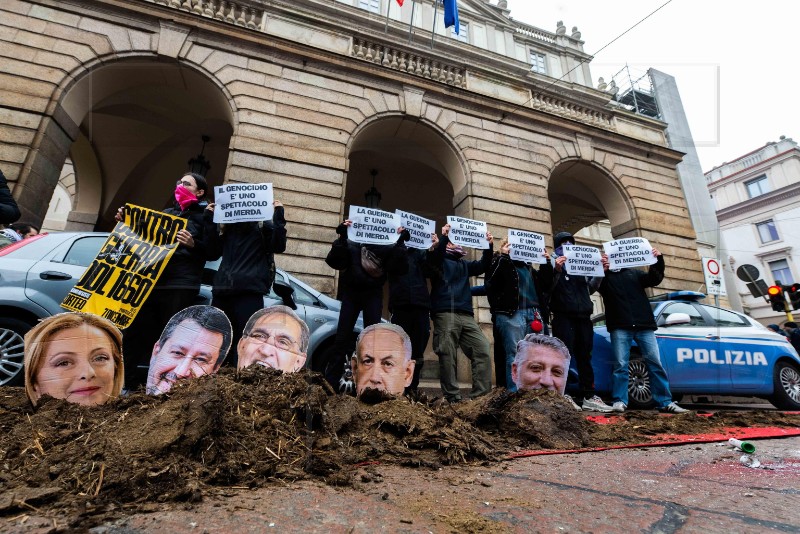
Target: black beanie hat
{"points": [[561, 237]]}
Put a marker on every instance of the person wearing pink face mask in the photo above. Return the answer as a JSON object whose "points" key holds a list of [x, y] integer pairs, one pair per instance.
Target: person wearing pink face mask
{"points": [[179, 284]]}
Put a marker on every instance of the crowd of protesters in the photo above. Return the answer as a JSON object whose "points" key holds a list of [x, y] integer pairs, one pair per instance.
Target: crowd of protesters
{"points": [[182, 340]]}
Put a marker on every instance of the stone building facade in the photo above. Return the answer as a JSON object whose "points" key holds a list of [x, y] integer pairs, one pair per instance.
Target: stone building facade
{"points": [[757, 197], [502, 125]]}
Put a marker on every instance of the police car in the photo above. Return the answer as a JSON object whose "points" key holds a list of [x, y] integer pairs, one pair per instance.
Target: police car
{"points": [[706, 350]]}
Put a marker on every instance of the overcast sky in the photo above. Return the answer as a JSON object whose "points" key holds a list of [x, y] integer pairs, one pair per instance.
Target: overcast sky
{"points": [[735, 62]]}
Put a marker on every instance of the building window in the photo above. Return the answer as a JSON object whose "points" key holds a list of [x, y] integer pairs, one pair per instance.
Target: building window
{"points": [[537, 63], [757, 187], [780, 272], [463, 32], [767, 231], [370, 5]]}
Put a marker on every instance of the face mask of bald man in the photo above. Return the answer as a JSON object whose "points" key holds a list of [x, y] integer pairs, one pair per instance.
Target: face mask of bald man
{"points": [[383, 360]]}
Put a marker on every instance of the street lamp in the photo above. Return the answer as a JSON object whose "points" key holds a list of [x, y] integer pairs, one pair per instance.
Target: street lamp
{"points": [[373, 196], [199, 164]]}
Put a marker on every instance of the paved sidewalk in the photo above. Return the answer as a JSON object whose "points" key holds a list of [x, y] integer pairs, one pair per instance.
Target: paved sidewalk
{"points": [[689, 488]]}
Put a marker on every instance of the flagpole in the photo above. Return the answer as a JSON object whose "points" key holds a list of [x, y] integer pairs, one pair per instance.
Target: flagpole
{"points": [[435, 13], [411, 24], [388, 8]]}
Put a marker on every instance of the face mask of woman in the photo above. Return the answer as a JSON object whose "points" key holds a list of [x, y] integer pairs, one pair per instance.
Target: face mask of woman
{"points": [[184, 197]]}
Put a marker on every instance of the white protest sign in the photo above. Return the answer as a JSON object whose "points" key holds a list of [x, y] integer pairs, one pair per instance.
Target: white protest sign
{"points": [[630, 252], [715, 283], [420, 229], [526, 246], [583, 261], [468, 233], [372, 226], [243, 202]]}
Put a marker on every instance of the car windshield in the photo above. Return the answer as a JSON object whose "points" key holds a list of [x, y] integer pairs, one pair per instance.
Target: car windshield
{"points": [[726, 317]]}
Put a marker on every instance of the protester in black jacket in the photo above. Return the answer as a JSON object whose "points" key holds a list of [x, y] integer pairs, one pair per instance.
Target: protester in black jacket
{"points": [[792, 332], [629, 317], [9, 211], [454, 325], [572, 311], [179, 284], [514, 290], [410, 306], [359, 292], [247, 269]]}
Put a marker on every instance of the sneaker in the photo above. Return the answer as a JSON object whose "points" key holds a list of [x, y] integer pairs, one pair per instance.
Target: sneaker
{"points": [[596, 404], [672, 408], [571, 401], [618, 406]]}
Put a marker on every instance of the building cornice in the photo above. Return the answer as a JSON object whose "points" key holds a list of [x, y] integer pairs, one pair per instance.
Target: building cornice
{"points": [[754, 169], [763, 201], [783, 251], [570, 107]]}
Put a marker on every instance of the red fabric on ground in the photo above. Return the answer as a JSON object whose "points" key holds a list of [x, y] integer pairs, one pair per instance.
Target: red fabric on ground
{"points": [[676, 439]]}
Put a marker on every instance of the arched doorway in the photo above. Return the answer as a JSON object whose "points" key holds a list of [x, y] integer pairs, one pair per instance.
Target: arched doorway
{"points": [[589, 203], [140, 121], [420, 170], [582, 194]]}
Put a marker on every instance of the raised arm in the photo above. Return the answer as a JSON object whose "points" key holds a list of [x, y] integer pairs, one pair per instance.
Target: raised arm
{"points": [[339, 256]]}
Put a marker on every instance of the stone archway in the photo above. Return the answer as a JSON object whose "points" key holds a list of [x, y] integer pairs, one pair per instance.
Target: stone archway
{"points": [[587, 201], [419, 168], [582, 194], [139, 121]]}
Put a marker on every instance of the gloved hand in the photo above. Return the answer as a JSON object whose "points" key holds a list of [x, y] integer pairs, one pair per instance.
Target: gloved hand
{"points": [[404, 236]]}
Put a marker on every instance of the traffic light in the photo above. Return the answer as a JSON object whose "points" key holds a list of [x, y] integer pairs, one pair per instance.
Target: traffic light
{"points": [[794, 295], [776, 298]]}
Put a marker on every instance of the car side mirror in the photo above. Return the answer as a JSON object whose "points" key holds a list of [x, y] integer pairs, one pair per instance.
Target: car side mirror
{"points": [[285, 292], [678, 318]]}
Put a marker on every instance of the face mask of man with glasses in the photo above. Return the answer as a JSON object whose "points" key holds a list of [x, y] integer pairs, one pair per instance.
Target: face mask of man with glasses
{"points": [[274, 337]]}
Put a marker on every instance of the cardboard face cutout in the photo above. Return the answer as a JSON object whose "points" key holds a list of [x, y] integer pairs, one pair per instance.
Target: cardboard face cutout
{"points": [[274, 337], [382, 361], [76, 357], [542, 367], [194, 343]]}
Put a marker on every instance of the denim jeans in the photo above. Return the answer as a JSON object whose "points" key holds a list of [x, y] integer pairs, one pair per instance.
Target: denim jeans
{"points": [[512, 329], [646, 340]]}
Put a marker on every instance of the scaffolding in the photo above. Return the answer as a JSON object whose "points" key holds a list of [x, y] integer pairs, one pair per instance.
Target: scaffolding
{"points": [[635, 92]]}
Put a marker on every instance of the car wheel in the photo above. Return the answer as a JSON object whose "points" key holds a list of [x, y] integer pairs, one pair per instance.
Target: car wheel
{"points": [[12, 351], [640, 396], [786, 395]]}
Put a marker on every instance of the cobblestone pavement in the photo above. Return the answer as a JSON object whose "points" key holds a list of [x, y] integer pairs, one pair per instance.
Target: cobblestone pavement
{"points": [[688, 488]]}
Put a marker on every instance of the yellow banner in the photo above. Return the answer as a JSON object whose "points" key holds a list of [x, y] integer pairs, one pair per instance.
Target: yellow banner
{"points": [[127, 267]]}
